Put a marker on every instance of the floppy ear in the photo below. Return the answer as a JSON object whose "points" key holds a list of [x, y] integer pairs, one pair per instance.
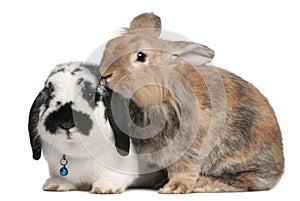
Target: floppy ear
{"points": [[193, 53], [118, 118], [146, 22], [35, 139]]}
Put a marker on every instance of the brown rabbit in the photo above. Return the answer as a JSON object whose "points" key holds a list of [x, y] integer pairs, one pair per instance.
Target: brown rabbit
{"points": [[219, 134]]}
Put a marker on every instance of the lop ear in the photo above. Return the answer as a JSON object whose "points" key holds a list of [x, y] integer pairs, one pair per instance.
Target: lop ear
{"points": [[35, 139], [118, 118], [149, 23], [193, 53]]}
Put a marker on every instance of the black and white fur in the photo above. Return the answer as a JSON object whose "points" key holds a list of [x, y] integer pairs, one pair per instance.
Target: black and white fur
{"points": [[69, 117]]}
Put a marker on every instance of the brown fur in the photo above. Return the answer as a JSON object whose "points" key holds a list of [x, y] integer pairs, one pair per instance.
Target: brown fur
{"points": [[145, 21], [247, 155]]}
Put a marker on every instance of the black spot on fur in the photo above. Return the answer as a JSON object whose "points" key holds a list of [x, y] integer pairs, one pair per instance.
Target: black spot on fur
{"points": [[97, 97], [79, 81], [89, 93], [76, 70], [66, 118], [122, 142], [48, 95], [35, 139], [83, 122], [61, 69], [49, 90]]}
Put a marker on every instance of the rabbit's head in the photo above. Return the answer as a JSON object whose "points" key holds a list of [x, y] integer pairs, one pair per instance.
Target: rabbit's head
{"points": [[140, 65], [69, 113]]}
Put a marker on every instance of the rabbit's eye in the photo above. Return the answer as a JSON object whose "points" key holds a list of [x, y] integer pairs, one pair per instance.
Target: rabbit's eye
{"points": [[90, 96], [141, 57]]}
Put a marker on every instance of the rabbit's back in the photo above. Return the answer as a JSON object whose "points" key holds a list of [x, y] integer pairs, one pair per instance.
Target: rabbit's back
{"points": [[251, 139]]}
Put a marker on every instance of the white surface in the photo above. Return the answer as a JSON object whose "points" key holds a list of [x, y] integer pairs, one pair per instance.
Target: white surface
{"points": [[257, 40]]}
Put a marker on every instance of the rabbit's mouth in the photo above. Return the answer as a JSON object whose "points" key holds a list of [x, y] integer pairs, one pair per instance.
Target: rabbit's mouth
{"points": [[70, 139], [68, 133], [106, 79]]}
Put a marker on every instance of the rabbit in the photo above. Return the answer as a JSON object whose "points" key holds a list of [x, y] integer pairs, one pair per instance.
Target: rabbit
{"points": [[219, 133], [70, 121]]}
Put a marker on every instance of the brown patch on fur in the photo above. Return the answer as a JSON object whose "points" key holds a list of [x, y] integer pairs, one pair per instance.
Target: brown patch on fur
{"points": [[150, 95]]}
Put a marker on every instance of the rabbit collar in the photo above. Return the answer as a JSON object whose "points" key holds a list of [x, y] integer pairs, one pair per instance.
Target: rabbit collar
{"points": [[63, 161]]}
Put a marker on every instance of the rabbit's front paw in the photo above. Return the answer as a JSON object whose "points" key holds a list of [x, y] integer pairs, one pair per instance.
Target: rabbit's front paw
{"points": [[107, 187], [177, 186], [56, 183]]}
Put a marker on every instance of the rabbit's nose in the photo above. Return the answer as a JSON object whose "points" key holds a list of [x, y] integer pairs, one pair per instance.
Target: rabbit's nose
{"points": [[67, 125], [105, 78]]}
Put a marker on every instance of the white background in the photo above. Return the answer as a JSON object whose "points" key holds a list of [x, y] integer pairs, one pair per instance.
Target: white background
{"points": [[257, 40]]}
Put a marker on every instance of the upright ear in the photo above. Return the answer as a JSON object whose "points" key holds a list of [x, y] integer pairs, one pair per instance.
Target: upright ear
{"points": [[119, 120], [35, 139], [146, 22], [193, 53]]}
